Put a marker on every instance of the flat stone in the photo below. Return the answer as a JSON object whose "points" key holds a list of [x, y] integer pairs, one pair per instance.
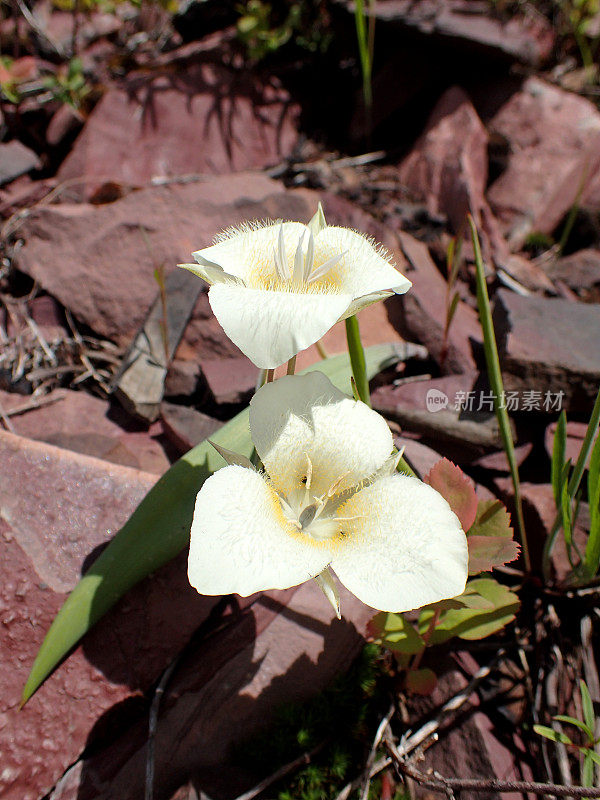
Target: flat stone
{"points": [[185, 426], [471, 26], [554, 148], [579, 271], [99, 261], [448, 166], [447, 412], [419, 314], [150, 128], [56, 509], [88, 425], [16, 160], [230, 380], [285, 647], [549, 345]]}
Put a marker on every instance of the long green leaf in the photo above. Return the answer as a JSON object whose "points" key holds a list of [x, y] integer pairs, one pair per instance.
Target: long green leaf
{"points": [[495, 378], [559, 451], [592, 550], [574, 481], [159, 528]]}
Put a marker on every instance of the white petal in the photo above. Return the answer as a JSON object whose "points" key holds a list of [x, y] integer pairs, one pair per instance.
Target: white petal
{"points": [[270, 327], [241, 542], [249, 249], [407, 548], [363, 270], [304, 417], [210, 273], [364, 301]]}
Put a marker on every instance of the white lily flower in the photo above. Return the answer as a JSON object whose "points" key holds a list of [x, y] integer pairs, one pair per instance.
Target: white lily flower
{"points": [[330, 498], [276, 288]]}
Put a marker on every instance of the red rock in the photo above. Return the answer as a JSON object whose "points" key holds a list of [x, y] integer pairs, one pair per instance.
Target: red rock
{"points": [[580, 271], [554, 146], [548, 346], [85, 424], [97, 262], [151, 128], [472, 748], [56, 507], [432, 408], [472, 27], [185, 426], [15, 160], [448, 166], [499, 463], [285, 647], [420, 313], [230, 380], [65, 121]]}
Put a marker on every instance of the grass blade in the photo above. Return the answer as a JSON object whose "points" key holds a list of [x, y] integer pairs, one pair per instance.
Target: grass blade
{"points": [[495, 378], [159, 528], [574, 481], [559, 451], [592, 550]]}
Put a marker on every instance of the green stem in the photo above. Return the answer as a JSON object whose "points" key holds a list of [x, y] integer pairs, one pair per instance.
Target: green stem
{"points": [[357, 360], [495, 378]]}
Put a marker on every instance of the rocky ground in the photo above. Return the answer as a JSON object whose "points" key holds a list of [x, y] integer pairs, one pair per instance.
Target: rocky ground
{"points": [[163, 131]]}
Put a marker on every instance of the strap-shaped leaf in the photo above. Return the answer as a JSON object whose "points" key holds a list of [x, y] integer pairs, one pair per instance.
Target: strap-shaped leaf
{"points": [[159, 528]]}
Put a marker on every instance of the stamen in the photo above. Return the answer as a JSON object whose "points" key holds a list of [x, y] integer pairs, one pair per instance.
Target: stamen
{"points": [[309, 472], [332, 489], [310, 256], [324, 268], [299, 262], [282, 255]]}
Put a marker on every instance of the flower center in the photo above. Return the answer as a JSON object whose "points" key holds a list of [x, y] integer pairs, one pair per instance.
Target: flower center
{"points": [[314, 516], [303, 273]]}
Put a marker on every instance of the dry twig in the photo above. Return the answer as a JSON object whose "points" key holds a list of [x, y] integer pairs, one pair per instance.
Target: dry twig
{"points": [[433, 780]]}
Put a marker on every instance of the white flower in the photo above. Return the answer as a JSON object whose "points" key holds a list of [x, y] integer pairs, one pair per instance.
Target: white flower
{"points": [[330, 498], [276, 288]]}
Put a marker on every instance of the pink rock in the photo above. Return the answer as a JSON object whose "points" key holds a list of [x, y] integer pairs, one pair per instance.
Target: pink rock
{"points": [[230, 380], [208, 119], [420, 312], [472, 26], [96, 261], [550, 347], [15, 160], [448, 166], [56, 507], [185, 426], [85, 424], [554, 141], [435, 409], [580, 271], [285, 647]]}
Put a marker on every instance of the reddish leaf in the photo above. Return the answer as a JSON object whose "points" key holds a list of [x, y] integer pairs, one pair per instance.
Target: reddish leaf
{"points": [[487, 552], [452, 483], [421, 681], [492, 520]]}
